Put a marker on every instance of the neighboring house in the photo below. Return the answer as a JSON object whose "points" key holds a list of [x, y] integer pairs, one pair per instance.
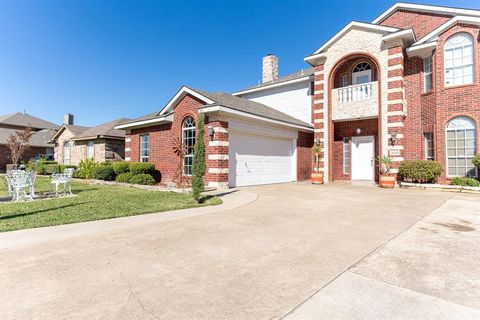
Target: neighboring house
{"points": [[406, 85], [101, 143], [42, 132]]}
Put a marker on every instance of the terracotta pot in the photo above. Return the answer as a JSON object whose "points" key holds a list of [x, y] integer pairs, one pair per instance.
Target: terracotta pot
{"points": [[387, 182], [317, 177]]}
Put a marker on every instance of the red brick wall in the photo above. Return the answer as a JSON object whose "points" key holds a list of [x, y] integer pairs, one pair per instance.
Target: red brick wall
{"points": [[348, 129], [162, 139], [422, 23], [30, 153], [304, 155]]}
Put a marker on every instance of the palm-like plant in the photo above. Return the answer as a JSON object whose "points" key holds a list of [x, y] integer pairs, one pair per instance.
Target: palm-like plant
{"points": [[385, 162], [316, 152], [86, 168]]}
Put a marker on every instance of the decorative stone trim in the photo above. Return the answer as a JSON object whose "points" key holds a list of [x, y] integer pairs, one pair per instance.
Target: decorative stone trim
{"points": [[218, 157], [317, 111], [217, 170], [395, 67], [395, 147], [128, 139], [318, 73], [218, 185], [318, 121], [394, 113], [395, 55], [218, 143], [397, 159], [127, 159], [319, 130], [393, 79], [127, 149], [399, 136], [395, 125], [394, 170], [220, 129], [318, 101], [395, 90]]}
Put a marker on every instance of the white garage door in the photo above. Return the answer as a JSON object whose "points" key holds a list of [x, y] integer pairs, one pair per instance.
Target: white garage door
{"points": [[255, 159]]}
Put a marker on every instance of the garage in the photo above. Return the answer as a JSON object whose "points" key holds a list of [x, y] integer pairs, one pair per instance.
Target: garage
{"points": [[260, 159]]}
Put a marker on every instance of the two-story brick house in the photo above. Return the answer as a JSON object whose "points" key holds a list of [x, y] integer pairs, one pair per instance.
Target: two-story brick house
{"points": [[405, 85]]}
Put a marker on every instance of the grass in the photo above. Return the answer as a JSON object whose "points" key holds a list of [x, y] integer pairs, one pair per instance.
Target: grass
{"points": [[91, 202]]}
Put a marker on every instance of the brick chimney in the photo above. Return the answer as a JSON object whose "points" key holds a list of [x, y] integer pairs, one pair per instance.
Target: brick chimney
{"points": [[269, 68], [68, 118]]}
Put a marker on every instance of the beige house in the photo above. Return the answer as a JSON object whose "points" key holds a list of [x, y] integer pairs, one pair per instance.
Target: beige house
{"points": [[101, 143]]}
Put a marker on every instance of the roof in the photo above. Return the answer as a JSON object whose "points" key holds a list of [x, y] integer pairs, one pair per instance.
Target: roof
{"points": [[38, 138], [452, 11], [292, 76], [103, 130], [24, 120], [149, 116]]}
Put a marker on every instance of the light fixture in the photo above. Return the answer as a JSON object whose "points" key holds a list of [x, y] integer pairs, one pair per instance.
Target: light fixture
{"points": [[211, 133], [359, 131], [393, 138]]}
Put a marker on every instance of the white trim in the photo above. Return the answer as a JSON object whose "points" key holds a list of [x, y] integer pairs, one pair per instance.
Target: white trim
{"points": [[346, 29], [394, 170], [294, 160], [319, 82], [165, 119], [128, 139], [394, 113], [180, 94], [217, 170], [127, 158], [220, 130], [399, 136], [395, 67], [421, 50], [218, 157], [397, 159], [273, 85], [395, 147], [425, 8], [316, 111], [395, 56], [218, 143], [393, 79], [318, 73], [227, 110], [318, 101], [127, 149], [397, 101], [318, 121], [434, 34], [394, 90], [319, 130], [394, 124], [405, 35]]}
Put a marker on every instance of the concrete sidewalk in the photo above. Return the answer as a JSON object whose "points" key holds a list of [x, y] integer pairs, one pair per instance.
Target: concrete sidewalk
{"points": [[432, 271]]}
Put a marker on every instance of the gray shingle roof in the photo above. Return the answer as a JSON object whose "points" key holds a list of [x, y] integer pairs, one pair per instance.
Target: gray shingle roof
{"points": [[296, 75], [103, 130], [149, 116], [22, 119], [248, 106], [38, 138]]}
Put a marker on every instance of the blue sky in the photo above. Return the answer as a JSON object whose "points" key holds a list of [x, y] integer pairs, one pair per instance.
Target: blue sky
{"points": [[106, 59]]}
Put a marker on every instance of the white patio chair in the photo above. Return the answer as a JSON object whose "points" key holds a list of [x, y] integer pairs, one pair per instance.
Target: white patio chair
{"points": [[64, 178], [20, 183]]}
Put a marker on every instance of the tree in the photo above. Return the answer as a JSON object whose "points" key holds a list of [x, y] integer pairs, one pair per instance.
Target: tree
{"points": [[199, 167], [18, 143]]}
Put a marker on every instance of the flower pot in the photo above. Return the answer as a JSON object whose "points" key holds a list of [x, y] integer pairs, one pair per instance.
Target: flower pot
{"points": [[387, 182], [317, 178]]}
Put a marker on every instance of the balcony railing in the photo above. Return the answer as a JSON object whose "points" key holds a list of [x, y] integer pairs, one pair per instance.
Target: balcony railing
{"points": [[355, 102]]}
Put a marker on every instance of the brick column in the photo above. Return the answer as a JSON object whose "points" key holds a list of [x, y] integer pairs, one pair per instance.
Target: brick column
{"points": [[127, 146], [396, 105], [319, 115], [216, 153]]}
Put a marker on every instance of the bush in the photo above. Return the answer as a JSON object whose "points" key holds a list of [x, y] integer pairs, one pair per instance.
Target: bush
{"points": [[121, 167], [141, 167], [65, 166], [103, 172], [48, 169], [421, 171], [476, 161], [464, 181], [199, 167], [142, 178], [124, 177], [85, 168]]}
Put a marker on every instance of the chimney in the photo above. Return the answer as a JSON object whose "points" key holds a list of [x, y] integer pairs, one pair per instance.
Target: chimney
{"points": [[68, 118], [269, 68]]}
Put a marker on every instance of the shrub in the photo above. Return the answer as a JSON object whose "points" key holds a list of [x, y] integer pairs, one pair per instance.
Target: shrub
{"points": [[85, 168], [103, 172], [476, 161], [65, 166], [464, 181], [198, 167], [124, 177], [48, 169], [141, 167], [121, 167], [421, 171], [142, 178]]}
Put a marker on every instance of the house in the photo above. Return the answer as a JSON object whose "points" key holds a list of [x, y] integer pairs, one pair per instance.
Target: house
{"points": [[42, 132], [100, 143], [405, 85]]}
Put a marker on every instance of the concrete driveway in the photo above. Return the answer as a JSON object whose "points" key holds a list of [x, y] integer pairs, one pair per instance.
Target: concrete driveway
{"points": [[258, 261]]}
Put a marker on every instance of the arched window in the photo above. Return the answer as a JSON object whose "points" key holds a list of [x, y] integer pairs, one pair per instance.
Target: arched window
{"points": [[188, 141], [66, 152], [459, 60], [461, 142], [362, 73]]}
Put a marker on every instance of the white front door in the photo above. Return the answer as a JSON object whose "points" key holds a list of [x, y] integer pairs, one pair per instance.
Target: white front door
{"points": [[362, 158], [362, 77]]}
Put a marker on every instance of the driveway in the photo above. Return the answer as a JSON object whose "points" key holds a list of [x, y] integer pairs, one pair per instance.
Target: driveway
{"points": [[258, 261]]}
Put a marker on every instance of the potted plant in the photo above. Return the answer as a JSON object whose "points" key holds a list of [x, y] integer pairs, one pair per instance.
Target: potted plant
{"points": [[386, 180], [317, 175]]}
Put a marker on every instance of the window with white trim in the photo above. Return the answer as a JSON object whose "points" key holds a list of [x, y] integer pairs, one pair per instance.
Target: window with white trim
{"points": [[66, 152], [346, 156], [428, 138], [144, 147], [188, 142], [461, 142], [90, 149], [427, 74], [459, 60]]}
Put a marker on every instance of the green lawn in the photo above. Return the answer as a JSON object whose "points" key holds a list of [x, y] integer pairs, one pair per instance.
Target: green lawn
{"points": [[91, 202]]}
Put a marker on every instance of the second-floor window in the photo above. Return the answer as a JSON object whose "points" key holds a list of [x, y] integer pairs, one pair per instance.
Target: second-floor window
{"points": [[427, 74], [459, 60], [144, 147]]}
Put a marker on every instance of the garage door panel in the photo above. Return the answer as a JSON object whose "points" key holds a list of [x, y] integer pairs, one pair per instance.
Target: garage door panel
{"points": [[259, 160]]}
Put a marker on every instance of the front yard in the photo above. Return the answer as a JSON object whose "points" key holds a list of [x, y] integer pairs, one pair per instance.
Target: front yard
{"points": [[91, 202]]}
